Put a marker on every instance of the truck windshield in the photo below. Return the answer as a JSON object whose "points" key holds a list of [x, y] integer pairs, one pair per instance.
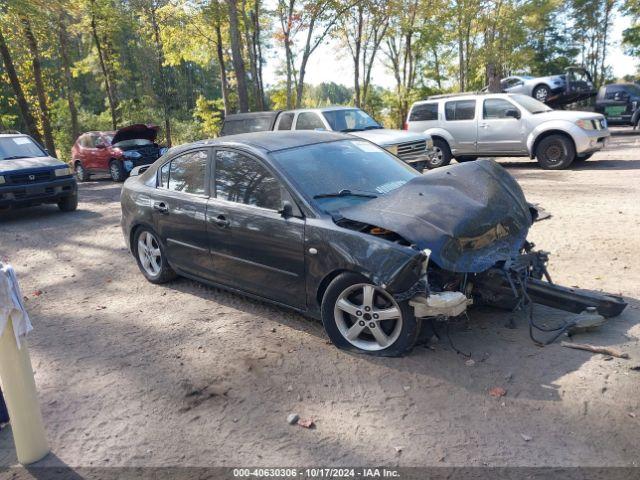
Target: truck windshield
{"points": [[530, 104], [12, 148], [336, 174], [350, 120]]}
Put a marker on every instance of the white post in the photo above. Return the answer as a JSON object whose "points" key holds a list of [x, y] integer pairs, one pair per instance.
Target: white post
{"points": [[18, 384]]}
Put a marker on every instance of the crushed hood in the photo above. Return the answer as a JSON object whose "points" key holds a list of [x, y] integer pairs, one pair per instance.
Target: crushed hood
{"points": [[134, 132], [385, 136], [470, 215], [28, 164]]}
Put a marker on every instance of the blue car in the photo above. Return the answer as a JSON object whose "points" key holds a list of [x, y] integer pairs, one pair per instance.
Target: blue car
{"points": [[30, 176]]}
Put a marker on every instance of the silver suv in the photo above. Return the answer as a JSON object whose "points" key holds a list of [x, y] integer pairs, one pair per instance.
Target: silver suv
{"points": [[468, 126]]}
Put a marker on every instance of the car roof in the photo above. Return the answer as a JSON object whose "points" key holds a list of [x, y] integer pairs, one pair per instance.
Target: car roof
{"points": [[463, 96], [270, 141]]}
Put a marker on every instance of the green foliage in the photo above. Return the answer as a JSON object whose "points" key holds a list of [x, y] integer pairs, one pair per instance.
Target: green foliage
{"points": [[209, 114]]}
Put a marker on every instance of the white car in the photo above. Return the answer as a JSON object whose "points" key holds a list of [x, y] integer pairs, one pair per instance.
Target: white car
{"points": [[414, 148], [468, 126]]}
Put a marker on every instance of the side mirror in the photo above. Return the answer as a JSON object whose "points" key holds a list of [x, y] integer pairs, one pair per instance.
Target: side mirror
{"points": [[287, 209], [513, 113]]}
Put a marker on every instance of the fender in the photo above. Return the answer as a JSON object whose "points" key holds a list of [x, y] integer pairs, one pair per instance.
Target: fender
{"points": [[562, 126], [442, 133]]}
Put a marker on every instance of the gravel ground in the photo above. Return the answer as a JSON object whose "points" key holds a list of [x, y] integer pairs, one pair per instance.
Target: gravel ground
{"points": [[133, 374]]}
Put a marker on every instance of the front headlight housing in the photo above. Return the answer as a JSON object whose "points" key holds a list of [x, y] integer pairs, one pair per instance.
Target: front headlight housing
{"points": [[585, 124], [392, 149], [1, 179], [62, 172]]}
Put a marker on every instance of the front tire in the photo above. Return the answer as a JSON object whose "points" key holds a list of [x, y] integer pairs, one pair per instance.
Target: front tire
{"points": [[541, 93], [442, 156], [365, 318], [68, 204], [555, 152], [116, 169], [465, 158], [583, 158], [81, 173], [151, 258]]}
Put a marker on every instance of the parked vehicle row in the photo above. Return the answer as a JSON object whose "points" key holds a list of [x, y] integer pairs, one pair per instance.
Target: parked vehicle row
{"points": [[468, 126]]}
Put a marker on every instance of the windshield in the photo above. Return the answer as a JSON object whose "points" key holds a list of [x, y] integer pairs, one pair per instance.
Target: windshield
{"points": [[530, 104], [19, 147], [351, 120], [337, 174]]}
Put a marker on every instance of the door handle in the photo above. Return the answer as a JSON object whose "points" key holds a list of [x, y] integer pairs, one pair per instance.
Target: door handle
{"points": [[484, 125], [161, 207], [222, 221]]}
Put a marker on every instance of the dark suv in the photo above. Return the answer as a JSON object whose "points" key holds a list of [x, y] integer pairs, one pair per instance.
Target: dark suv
{"points": [[115, 153], [620, 103], [30, 176]]}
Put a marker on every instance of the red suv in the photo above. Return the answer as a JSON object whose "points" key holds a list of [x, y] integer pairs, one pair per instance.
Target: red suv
{"points": [[115, 153]]}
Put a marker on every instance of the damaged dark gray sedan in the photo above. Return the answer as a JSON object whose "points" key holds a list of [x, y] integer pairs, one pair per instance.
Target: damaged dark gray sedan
{"points": [[341, 230]]}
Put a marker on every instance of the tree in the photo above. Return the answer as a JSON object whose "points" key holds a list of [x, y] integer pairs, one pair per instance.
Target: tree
{"points": [[238, 61], [66, 66]]}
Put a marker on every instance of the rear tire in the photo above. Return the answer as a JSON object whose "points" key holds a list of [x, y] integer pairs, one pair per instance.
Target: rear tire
{"points": [[464, 158], [555, 152], [116, 169], [81, 173], [442, 155], [541, 93], [69, 204], [365, 318], [151, 257]]}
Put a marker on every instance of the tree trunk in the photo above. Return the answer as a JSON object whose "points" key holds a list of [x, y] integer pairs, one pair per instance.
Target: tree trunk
{"points": [[163, 97], [105, 73], [236, 54], [223, 71], [493, 78], [356, 57], [23, 107], [257, 46], [32, 45], [66, 67]]}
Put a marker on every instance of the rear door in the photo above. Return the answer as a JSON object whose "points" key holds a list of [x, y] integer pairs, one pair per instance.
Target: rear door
{"points": [[102, 154], [179, 210], [497, 132], [253, 247], [461, 123]]}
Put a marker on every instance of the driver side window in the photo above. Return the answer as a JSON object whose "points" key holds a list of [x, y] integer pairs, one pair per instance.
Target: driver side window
{"points": [[496, 108]]}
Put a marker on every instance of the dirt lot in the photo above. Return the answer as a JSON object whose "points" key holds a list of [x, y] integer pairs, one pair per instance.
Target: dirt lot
{"points": [[134, 374]]}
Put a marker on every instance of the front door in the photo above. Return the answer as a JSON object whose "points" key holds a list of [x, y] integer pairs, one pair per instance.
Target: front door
{"points": [[180, 208], [461, 123], [499, 132], [253, 247]]}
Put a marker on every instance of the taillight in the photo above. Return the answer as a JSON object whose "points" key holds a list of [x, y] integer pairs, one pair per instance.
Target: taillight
{"points": [[405, 126]]}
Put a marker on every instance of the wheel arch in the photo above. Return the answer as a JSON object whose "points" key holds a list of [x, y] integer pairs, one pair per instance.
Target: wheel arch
{"points": [[134, 230], [329, 277], [541, 136]]}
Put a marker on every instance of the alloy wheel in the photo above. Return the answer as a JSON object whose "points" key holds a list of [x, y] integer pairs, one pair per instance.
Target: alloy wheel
{"points": [[368, 317], [437, 158], [149, 253]]}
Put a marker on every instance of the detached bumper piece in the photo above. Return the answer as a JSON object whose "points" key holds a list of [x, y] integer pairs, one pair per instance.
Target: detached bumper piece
{"points": [[441, 304], [518, 284]]}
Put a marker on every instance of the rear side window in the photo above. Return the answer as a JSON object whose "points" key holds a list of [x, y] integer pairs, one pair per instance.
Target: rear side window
{"points": [[309, 121], [242, 179], [424, 112], [186, 173], [286, 121], [460, 110]]}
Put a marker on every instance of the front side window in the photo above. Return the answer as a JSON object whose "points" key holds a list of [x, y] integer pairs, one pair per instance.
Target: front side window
{"points": [[496, 108], [186, 173], [242, 179], [424, 112], [460, 110], [12, 148], [309, 121], [286, 121]]}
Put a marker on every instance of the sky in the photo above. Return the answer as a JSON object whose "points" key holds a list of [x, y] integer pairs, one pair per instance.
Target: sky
{"points": [[330, 63]]}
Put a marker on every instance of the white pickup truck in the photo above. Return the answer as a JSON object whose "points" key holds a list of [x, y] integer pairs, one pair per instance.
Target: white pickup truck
{"points": [[414, 148]]}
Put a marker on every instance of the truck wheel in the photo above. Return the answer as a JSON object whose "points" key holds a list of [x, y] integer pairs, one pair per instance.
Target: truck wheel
{"points": [[555, 152], [442, 156], [541, 93], [68, 204], [365, 318], [117, 171], [81, 174]]}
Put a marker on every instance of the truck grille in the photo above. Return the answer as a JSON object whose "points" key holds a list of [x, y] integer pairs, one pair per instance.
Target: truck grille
{"points": [[412, 149], [26, 178]]}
